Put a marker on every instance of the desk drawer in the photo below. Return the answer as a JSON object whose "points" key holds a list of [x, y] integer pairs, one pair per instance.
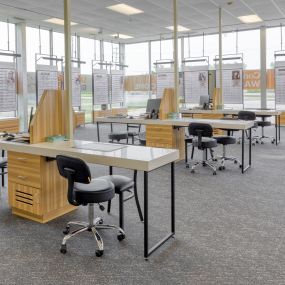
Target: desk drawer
{"points": [[24, 176], [25, 198], [27, 161]]}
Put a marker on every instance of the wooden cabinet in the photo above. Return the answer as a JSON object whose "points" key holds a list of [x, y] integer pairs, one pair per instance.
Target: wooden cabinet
{"points": [[36, 190]]}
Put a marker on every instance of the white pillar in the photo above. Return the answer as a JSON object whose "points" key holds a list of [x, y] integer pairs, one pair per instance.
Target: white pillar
{"points": [[263, 71], [68, 68], [175, 51], [221, 96], [149, 70], [22, 76]]}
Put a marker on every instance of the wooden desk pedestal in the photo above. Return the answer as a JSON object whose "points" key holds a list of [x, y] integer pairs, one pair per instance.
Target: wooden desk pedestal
{"points": [[36, 190], [166, 137]]}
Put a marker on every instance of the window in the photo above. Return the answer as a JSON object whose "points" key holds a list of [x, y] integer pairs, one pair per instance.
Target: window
{"points": [[4, 40], [111, 52]]}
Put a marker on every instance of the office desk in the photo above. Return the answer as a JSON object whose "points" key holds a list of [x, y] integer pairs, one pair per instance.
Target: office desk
{"points": [[169, 128], [31, 198], [258, 112]]}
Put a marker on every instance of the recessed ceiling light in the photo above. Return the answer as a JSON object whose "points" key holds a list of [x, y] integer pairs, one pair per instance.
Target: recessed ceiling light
{"points": [[125, 9], [179, 28], [58, 21], [249, 19], [121, 36]]}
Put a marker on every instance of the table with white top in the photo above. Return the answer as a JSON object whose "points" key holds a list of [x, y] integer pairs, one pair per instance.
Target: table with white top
{"points": [[238, 125], [140, 158], [262, 113]]}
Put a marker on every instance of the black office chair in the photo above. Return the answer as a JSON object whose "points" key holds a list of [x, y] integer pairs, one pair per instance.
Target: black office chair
{"points": [[247, 116], [203, 140], [131, 133], [83, 190], [122, 185], [264, 123], [3, 167]]}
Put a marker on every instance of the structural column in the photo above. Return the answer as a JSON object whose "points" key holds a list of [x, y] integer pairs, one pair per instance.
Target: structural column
{"points": [[221, 97], [176, 64], [22, 76], [68, 68], [263, 71]]}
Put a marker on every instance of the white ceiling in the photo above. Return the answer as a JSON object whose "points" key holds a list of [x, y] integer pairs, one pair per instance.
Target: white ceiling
{"points": [[92, 15]]}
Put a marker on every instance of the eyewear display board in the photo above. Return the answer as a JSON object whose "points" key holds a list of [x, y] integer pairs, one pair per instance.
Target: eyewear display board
{"points": [[46, 79], [8, 97], [165, 79], [232, 83], [280, 82], [117, 86], [100, 86], [76, 87], [196, 83]]}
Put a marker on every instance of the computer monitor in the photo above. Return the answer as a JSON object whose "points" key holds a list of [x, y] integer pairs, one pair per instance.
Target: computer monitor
{"points": [[153, 105], [204, 101]]}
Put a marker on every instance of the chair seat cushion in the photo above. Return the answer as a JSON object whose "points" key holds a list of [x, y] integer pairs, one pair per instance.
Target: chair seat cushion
{"points": [[225, 140], [118, 136], [188, 139], [97, 191], [206, 142], [264, 123], [121, 183]]}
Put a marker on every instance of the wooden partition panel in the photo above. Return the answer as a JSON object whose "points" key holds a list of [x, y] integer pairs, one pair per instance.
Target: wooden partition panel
{"points": [[167, 104], [110, 112], [9, 125]]}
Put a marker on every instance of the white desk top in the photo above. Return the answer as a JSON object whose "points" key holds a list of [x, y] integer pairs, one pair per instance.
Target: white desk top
{"points": [[130, 157], [184, 122], [258, 112]]}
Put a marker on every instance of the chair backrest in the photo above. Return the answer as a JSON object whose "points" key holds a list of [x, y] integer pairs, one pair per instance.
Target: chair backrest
{"points": [[200, 129], [73, 168], [246, 115]]}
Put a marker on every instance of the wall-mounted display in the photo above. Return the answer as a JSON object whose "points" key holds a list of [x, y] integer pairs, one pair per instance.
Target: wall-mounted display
{"points": [[100, 87], [165, 79], [117, 86]]}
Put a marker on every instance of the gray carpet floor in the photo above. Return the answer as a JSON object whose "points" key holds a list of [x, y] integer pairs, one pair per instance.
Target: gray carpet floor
{"points": [[230, 229]]}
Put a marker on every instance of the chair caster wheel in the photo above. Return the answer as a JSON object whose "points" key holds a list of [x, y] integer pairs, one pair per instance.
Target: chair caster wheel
{"points": [[262, 142], [240, 166], [63, 249], [235, 162], [66, 231], [187, 166], [101, 222], [214, 173], [273, 141], [121, 236], [221, 168], [192, 171], [99, 253]]}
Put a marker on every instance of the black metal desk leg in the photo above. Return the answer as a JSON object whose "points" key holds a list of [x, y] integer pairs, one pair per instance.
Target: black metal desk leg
{"points": [[276, 130], [98, 132], [173, 197], [249, 147], [110, 202], [242, 152], [279, 127], [145, 214]]}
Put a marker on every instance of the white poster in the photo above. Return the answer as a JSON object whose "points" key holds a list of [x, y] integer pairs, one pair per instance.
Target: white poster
{"points": [[100, 87], [165, 79], [117, 85], [232, 83], [47, 79], [196, 83], [280, 82], [8, 97], [76, 87]]}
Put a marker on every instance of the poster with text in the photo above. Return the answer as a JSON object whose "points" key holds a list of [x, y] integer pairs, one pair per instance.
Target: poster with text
{"points": [[196, 83], [76, 87], [46, 79], [165, 79], [117, 86], [8, 97], [280, 82], [100, 87], [232, 83]]}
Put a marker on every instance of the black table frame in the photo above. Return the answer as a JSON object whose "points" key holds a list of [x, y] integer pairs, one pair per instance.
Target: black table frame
{"points": [[148, 251]]}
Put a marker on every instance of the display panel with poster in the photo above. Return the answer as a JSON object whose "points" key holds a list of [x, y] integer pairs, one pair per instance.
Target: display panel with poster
{"points": [[117, 86], [232, 82], [46, 79], [100, 87], [165, 79], [8, 90], [196, 83], [76, 87], [280, 82]]}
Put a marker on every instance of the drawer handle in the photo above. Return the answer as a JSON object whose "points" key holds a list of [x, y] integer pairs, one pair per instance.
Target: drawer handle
{"points": [[21, 159], [22, 177]]}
